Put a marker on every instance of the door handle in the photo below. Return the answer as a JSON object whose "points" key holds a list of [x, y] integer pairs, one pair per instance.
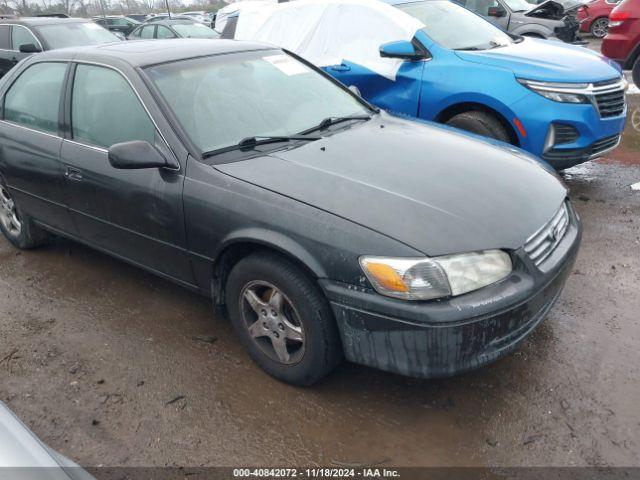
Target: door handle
{"points": [[73, 173], [341, 68]]}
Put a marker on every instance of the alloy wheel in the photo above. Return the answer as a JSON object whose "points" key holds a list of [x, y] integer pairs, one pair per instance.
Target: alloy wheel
{"points": [[8, 214], [600, 27], [272, 322]]}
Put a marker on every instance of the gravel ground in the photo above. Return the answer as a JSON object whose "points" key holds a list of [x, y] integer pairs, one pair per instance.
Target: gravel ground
{"points": [[112, 366]]}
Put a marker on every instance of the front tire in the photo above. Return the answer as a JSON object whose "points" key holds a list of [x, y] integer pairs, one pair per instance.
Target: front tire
{"points": [[480, 123], [16, 226], [636, 72], [282, 319]]}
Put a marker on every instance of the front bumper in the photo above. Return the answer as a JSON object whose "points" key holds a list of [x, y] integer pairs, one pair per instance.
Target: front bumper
{"points": [[538, 114], [443, 338]]}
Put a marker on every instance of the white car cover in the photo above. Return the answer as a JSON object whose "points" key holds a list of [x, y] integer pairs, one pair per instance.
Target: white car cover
{"points": [[327, 32], [252, 14]]}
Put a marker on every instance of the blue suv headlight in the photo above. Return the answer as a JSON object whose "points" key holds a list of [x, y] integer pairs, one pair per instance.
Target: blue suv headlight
{"points": [[559, 92]]}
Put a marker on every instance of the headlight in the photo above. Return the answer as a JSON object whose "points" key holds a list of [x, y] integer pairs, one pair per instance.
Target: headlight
{"points": [[558, 92], [428, 278]]}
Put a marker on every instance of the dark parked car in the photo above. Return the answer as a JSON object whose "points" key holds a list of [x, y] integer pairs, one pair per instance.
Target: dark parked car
{"points": [[324, 226], [23, 37], [622, 42], [119, 24], [173, 29], [138, 17]]}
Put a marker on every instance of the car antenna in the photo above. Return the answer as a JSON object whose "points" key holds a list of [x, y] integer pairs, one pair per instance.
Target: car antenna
{"points": [[168, 10]]}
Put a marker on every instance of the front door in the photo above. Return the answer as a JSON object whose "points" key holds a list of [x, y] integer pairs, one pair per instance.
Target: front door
{"points": [[135, 214], [399, 93], [31, 139]]}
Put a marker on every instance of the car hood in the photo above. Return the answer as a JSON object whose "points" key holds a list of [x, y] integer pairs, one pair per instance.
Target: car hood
{"points": [[547, 60], [554, 9], [430, 187]]}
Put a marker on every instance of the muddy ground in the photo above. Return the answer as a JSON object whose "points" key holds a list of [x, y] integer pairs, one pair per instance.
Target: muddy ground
{"points": [[112, 366]]}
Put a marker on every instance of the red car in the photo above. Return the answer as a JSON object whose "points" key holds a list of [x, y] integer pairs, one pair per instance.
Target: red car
{"points": [[594, 18], [622, 42]]}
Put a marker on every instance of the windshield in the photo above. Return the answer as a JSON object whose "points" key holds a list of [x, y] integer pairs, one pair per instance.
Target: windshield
{"points": [[224, 99], [194, 30], [63, 35], [519, 5], [454, 27]]}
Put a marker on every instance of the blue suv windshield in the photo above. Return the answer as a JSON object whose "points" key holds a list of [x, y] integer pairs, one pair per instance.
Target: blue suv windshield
{"points": [[454, 27]]}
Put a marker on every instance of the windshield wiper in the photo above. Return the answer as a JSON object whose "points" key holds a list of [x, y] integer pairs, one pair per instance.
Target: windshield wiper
{"points": [[328, 122], [469, 49], [250, 143]]}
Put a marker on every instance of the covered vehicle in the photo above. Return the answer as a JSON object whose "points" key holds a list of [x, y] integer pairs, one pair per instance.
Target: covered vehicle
{"points": [[435, 60], [325, 226], [550, 19]]}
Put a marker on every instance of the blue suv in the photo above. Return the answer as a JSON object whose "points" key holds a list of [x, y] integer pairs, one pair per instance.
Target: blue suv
{"points": [[563, 103]]}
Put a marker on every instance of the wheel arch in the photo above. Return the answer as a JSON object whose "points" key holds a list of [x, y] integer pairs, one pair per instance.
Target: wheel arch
{"points": [[455, 109], [242, 244]]}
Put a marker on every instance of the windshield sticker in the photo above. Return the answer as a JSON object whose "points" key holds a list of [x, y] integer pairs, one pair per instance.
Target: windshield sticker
{"points": [[287, 65]]}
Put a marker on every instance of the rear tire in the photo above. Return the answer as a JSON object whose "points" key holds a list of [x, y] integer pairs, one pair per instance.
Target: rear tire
{"points": [[599, 27], [17, 226], [480, 123], [282, 319], [636, 72]]}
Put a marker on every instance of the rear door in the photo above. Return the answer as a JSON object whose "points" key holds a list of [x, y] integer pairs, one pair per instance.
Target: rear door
{"points": [[30, 141], [20, 36], [135, 214]]}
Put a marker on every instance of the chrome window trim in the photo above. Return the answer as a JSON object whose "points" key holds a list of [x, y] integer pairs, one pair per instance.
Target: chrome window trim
{"points": [[135, 91], [7, 122]]}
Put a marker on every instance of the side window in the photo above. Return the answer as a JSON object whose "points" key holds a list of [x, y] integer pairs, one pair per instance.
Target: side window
{"points": [[34, 98], [147, 32], [5, 43], [22, 36], [136, 33], [105, 110], [164, 32]]}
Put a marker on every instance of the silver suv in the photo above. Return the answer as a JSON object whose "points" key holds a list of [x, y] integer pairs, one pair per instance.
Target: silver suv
{"points": [[550, 19]]}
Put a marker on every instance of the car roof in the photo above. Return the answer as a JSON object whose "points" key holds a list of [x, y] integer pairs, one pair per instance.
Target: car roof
{"points": [[177, 21], [140, 53], [35, 21], [401, 2]]}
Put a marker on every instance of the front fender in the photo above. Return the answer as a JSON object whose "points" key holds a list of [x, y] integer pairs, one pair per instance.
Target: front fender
{"points": [[273, 240]]}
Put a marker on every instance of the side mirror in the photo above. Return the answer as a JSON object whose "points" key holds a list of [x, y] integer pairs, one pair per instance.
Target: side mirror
{"points": [[402, 49], [29, 48], [496, 12], [137, 155]]}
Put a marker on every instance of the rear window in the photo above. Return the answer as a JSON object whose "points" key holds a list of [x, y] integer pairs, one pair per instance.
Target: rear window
{"points": [[195, 30], [63, 35]]}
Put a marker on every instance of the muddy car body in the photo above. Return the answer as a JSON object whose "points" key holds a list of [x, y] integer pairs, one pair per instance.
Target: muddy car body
{"points": [[335, 230]]}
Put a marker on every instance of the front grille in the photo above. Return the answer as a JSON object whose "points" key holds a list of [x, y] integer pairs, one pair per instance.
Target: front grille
{"points": [[604, 144], [542, 243], [564, 134], [610, 103]]}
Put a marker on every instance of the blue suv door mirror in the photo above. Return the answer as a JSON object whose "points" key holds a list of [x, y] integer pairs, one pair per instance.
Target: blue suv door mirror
{"points": [[401, 49]]}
